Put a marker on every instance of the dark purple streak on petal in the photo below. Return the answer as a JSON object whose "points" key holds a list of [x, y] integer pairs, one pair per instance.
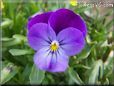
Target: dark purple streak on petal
{"points": [[40, 35], [72, 42], [56, 62], [42, 58], [59, 61]]}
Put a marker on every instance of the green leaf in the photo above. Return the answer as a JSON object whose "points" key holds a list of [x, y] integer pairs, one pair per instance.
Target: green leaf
{"points": [[70, 82], [6, 23], [96, 72], [36, 76], [26, 73], [85, 52], [106, 82], [82, 66], [74, 76], [8, 41], [5, 39], [16, 39], [8, 72], [110, 24], [81, 9], [19, 38], [110, 60], [18, 52], [108, 66]]}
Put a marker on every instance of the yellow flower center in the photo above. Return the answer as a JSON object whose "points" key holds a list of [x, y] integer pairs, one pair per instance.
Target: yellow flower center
{"points": [[54, 46]]}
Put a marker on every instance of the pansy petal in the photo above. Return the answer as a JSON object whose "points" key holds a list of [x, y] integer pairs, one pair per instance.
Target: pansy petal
{"points": [[42, 58], [59, 62], [64, 18], [72, 42], [40, 35], [38, 18], [52, 62]]}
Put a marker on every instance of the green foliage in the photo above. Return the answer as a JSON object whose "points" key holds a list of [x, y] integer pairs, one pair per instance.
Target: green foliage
{"points": [[94, 74], [74, 76], [9, 71], [94, 65], [18, 52], [36, 76]]}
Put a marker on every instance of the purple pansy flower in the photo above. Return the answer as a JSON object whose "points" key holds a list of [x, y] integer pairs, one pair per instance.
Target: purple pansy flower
{"points": [[56, 36]]}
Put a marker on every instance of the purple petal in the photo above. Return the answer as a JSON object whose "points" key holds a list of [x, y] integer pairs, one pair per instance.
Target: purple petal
{"points": [[72, 42], [42, 58], [38, 18], [52, 62], [64, 18], [59, 62], [40, 35]]}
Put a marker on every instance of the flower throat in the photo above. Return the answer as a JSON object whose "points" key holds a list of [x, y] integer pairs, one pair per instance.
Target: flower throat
{"points": [[54, 46]]}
